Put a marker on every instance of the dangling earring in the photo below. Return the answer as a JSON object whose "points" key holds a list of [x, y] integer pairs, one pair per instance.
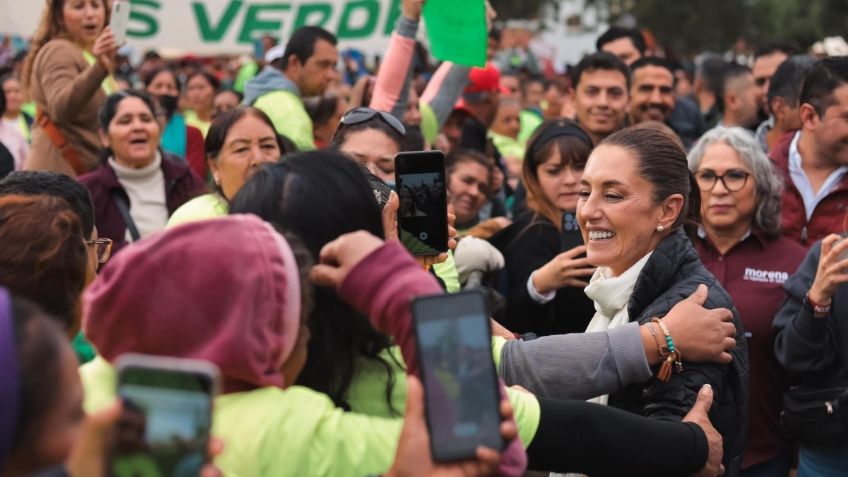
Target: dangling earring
{"points": [[660, 228]]}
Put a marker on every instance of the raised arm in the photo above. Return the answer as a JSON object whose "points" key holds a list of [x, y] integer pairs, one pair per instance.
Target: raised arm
{"points": [[444, 89], [806, 341], [67, 90], [391, 90]]}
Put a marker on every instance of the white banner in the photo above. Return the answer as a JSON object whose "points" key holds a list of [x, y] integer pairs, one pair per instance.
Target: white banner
{"points": [[232, 26]]}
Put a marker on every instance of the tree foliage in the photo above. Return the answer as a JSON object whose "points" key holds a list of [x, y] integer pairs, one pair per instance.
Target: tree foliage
{"points": [[698, 25]]}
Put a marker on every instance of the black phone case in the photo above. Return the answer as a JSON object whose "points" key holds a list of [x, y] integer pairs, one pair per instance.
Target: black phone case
{"points": [[432, 230], [438, 453]]}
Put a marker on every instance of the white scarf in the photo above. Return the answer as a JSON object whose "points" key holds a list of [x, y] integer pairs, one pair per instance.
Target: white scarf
{"points": [[611, 295]]}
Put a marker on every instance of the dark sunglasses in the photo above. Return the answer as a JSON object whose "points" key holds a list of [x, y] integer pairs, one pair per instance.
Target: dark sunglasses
{"points": [[363, 114]]}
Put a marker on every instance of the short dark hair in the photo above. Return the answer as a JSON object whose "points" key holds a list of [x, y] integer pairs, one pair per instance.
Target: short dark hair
{"points": [[651, 61], [302, 43], [823, 79], [711, 71], [731, 72], [599, 61], [35, 183], [775, 47], [788, 79], [616, 33], [321, 108]]}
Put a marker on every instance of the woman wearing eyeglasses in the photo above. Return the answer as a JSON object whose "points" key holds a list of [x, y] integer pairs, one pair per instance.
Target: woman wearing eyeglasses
{"points": [[740, 243]]}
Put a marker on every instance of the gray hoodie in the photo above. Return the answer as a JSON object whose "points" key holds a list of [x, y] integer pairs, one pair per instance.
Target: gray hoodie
{"points": [[270, 79]]}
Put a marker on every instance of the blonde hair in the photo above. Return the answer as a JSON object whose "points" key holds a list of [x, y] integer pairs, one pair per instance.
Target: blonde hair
{"points": [[50, 27]]}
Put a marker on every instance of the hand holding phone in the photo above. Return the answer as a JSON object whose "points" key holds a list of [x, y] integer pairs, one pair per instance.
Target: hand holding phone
{"points": [[423, 212], [166, 415], [413, 453], [462, 397]]}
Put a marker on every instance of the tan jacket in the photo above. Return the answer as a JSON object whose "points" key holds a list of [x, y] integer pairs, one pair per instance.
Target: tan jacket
{"points": [[68, 90]]}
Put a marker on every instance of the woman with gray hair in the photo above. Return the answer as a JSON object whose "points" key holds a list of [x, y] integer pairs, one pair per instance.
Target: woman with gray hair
{"points": [[739, 241]]}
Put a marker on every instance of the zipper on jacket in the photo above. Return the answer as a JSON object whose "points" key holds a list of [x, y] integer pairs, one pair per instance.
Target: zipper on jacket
{"points": [[804, 233]]}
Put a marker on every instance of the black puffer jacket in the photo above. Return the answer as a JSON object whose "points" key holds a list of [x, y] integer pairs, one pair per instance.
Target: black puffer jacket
{"points": [[672, 273]]}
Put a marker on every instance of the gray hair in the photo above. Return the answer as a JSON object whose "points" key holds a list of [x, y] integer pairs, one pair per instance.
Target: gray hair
{"points": [[769, 182]]}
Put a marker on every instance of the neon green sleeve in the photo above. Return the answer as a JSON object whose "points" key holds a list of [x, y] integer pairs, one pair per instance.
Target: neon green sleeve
{"points": [[289, 117], [448, 273]]}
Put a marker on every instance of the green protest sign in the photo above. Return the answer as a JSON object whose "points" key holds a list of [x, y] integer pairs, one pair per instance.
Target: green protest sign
{"points": [[457, 30]]}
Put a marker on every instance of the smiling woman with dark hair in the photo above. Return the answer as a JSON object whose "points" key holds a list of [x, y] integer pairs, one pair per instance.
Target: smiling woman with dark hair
{"points": [[137, 187]]}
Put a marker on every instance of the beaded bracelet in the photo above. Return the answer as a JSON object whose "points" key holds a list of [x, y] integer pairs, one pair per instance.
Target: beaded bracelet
{"points": [[673, 354], [662, 350]]}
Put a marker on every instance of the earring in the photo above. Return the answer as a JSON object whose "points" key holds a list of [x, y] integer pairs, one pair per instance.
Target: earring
{"points": [[660, 228]]}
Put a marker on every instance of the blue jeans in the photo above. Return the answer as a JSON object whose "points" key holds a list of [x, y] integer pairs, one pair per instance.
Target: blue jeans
{"points": [[823, 462], [776, 467]]}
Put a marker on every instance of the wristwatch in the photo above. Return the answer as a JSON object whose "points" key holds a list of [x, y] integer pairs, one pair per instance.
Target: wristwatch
{"points": [[817, 309]]}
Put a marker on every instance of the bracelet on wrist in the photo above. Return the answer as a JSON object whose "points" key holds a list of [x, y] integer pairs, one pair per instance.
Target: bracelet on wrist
{"points": [[818, 309], [673, 357]]}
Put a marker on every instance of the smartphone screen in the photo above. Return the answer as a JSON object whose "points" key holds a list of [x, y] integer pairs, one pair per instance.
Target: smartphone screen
{"points": [[119, 21], [166, 420], [423, 214], [460, 382], [571, 235]]}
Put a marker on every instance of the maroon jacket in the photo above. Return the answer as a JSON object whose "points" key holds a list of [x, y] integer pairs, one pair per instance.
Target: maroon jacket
{"points": [[382, 287], [753, 272], [827, 218], [181, 185]]}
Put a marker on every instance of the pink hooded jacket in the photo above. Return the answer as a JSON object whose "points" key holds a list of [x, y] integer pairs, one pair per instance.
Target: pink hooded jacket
{"points": [[148, 300]]}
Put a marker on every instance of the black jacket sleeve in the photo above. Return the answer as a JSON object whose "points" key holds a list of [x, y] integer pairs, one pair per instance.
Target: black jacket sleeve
{"points": [[804, 343], [535, 246], [577, 436]]}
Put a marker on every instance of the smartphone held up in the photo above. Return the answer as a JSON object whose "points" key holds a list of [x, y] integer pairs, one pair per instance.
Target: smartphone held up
{"points": [[119, 20], [462, 399], [166, 416], [423, 213]]}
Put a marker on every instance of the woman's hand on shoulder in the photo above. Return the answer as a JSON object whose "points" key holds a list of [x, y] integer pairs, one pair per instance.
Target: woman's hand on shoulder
{"points": [[701, 335]]}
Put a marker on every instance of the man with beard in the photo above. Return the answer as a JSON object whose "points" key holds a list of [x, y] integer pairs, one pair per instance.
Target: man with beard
{"points": [[601, 94], [738, 98], [814, 160], [652, 99], [782, 101]]}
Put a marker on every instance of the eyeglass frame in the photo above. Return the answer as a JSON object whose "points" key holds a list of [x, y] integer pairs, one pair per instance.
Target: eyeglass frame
{"points": [[721, 178], [101, 241], [368, 114]]}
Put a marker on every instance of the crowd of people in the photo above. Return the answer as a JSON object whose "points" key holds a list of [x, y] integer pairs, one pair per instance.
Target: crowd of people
{"points": [[662, 250]]}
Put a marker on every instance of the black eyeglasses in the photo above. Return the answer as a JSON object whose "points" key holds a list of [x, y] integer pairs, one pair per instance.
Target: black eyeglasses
{"points": [[734, 179], [362, 114], [103, 249]]}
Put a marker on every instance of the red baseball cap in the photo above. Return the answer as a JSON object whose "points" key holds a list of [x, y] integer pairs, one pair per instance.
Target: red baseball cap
{"points": [[483, 80]]}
